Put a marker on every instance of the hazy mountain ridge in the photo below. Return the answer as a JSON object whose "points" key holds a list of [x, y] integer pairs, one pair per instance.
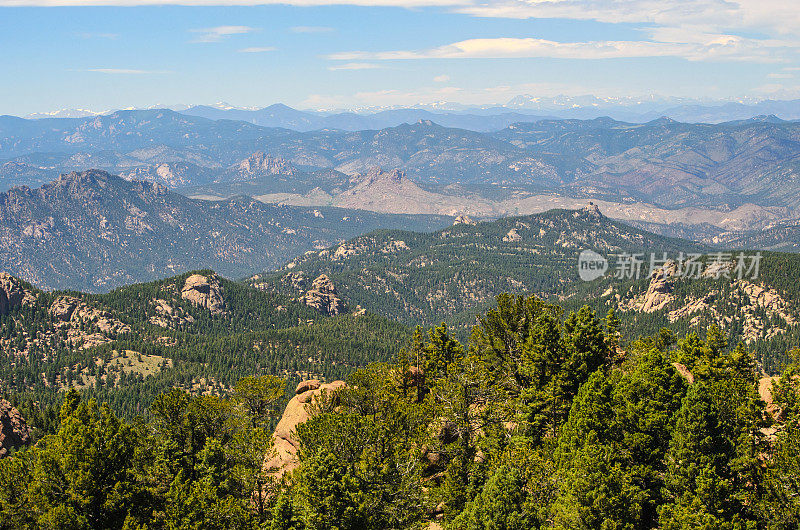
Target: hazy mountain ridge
{"points": [[416, 277], [454, 274], [95, 231], [737, 175]]}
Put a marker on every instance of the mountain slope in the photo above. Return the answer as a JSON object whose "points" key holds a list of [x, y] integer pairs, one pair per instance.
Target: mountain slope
{"points": [[196, 331], [427, 278], [94, 231], [454, 274], [737, 173]]}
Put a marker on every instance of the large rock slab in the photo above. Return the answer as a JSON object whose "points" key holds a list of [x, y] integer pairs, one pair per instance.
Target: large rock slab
{"points": [[205, 292], [12, 294], [323, 296], [283, 457], [14, 431]]}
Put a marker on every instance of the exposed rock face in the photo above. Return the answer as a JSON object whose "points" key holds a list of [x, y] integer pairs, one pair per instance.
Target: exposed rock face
{"points": [[375, 174], [14, 431], [12, 294], [463, 220], [205, 292], [512, 236], [591, 211], [70, 313], [168, 316], [323, 297], [659, 292], [63, 307], [283, 458], [262, 163], [685, 373]]}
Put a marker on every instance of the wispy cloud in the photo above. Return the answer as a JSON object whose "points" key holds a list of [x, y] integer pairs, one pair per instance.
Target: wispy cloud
{"points": [[696, 48], [123, 71], [219, 33], [778, 75], [311, 29], [301, 3], [441, 78], [356, 66], [782, 16], [258, 49]]}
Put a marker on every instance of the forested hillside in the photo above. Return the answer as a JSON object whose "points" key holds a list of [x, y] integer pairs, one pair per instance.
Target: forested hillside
{"points": [[195, 331], [454, 274], [428, 278], [95, 231], [543, 419]]}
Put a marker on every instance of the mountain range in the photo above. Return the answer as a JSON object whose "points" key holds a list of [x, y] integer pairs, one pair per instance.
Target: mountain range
{"points": [[456, 273], [698, 180], [94, 231], [329, 311], [522, 108]]}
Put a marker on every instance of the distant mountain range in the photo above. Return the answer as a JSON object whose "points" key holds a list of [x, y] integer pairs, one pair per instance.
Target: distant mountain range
{"points": [[94, 231], [717, 177], [523, 108]]}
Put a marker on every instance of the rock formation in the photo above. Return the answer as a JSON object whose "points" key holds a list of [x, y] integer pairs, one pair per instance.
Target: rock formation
{"points": [[14, 431], [659, 292], [168, 316], [463, 220], [283, 457], [69, 313], [12, 294], [323, 297], [591, 212], [205, 292], [512, 236], [262, 163]]}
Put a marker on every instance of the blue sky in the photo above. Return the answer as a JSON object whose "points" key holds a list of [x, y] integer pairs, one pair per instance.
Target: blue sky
{"points": [[99, 54]]}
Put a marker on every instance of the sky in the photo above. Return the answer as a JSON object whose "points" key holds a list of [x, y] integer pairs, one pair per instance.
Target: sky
{"points": [[336, 54]]}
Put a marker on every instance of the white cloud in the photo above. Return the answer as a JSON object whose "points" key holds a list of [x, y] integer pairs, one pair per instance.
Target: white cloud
{"points": [[705, 47], [782, 16], [123, 71], [220, 32], [257, 49], [441, 78], [780, 76], [302, 3], [311, 29], [356, 66]]}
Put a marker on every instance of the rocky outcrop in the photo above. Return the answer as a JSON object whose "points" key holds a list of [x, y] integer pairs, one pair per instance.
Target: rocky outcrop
{"points": [[590, 212], [659, 292], [685, 373], [168, 316], [512, 236], [14, 431], [463, 220], [70, 313], [63, 307], [205, 292], [323, 297], [12, 294], [283, 457], [261, 163]]}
